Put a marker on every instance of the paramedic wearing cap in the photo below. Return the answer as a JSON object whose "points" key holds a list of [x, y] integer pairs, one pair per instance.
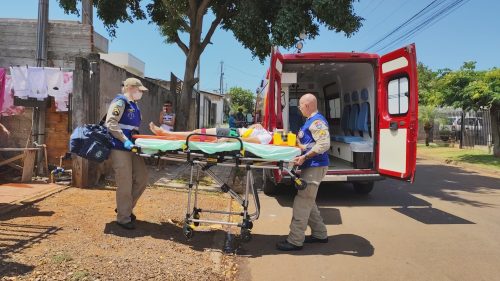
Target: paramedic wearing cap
{"points": [[314, 138], [123, 119]]}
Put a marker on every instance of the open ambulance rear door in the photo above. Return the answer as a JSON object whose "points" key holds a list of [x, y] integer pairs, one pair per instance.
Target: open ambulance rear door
{"points": [[397, 120], [273, 117]]}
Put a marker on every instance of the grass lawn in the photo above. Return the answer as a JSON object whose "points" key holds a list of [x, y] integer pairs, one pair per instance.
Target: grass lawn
{"points": [[475, 157]]}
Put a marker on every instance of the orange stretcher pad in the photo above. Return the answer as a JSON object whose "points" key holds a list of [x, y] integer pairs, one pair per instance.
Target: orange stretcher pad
{"points": [[198, 138]]}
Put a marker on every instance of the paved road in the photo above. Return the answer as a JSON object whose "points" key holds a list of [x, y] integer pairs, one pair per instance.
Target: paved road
{"points": [[446, 226]]}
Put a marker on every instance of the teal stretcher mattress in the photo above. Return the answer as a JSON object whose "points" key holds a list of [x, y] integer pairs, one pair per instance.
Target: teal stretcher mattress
{"points": [[267, 152]]}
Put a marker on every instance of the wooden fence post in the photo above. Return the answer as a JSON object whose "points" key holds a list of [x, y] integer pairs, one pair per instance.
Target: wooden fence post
{"points": [[79, 117]]}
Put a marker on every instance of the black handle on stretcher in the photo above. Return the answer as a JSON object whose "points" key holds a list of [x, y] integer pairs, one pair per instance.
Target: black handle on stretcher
{"points": [[299, 183], [136, 149], [210, 135]]}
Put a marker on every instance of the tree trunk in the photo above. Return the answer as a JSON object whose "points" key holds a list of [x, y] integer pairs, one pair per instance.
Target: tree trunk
{"points": [[184, 120], [427, 136], [495, 129]]}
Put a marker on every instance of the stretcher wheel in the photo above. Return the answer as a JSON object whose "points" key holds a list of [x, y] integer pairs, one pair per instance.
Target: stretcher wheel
{"points": [[196, 216], [245, 235], [188, 231], [300, 184]]}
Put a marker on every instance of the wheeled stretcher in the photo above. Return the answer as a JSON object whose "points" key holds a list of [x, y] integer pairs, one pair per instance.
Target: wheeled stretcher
{"points": [[201, 155]]}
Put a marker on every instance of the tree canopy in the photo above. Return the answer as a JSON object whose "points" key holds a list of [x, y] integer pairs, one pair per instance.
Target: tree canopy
{"points": [[465, 88], [257, 25], [240, 97]]}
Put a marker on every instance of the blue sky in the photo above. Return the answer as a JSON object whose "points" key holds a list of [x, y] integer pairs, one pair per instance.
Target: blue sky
{"points": [[472, 32]]}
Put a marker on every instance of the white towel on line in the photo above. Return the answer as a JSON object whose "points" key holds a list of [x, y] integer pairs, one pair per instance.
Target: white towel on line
{"points": [[38, 83], [54, 78], [20, 82]]}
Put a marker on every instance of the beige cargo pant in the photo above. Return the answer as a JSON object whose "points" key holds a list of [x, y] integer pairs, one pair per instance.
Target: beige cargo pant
{"points": [[131, 178], [305, 210]]}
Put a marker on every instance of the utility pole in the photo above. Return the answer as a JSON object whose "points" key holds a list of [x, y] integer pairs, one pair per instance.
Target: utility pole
{"points": [[38, 122], [198, 75], [87, 12], [221, 86]]}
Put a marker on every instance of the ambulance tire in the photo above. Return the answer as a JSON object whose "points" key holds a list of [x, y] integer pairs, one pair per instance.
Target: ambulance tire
{"points": [[363, 187], [268, 185]]}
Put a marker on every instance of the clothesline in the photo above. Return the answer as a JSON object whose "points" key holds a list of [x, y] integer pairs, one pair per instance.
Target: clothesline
{"points": [[34, 82], [43, 67]]}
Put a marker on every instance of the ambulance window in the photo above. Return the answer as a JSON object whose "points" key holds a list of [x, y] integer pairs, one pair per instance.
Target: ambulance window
{"points": [[334, 106], [398, 96]]}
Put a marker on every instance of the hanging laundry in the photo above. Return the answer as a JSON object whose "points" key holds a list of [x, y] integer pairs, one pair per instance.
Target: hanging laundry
{"points": [[62, 103], [68, 82], [38, 83], [8, 108], [20, 82], [54, 77], [2, 85]]}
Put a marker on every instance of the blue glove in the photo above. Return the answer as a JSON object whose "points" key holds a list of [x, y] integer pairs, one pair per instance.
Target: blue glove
{"points": [[128, 144]]}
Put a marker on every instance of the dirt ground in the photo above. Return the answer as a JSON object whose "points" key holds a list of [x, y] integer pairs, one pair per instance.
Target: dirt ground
{"points": [[72, 236]]}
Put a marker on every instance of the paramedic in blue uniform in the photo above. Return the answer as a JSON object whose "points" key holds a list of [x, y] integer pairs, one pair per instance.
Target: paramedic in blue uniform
{"points": [[131, 176], [314, 139]]}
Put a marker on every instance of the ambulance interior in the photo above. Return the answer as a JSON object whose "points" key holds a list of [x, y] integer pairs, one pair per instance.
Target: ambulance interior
{"points": [[346, 97]]}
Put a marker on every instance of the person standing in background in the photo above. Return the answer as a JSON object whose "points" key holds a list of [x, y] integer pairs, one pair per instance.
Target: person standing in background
{"points": [[231, 120], [249, 118], [167, 117], [240, 118]]}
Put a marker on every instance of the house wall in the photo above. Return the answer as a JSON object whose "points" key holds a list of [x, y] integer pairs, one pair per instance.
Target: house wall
{"points": [[219, 101], [111, 78]]}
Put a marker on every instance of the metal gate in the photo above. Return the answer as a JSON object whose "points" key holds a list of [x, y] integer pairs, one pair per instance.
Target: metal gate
{"points": [[470, 128]]}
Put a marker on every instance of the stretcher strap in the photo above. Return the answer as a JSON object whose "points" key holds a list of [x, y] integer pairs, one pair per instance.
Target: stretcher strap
{"points": [[203, 136]]}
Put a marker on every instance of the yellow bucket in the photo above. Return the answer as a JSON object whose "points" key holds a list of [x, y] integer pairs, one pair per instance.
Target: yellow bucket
{"points": [[277, 140], [291, 139]]}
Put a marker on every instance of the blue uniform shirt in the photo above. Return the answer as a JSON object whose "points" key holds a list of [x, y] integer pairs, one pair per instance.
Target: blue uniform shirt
{"points": [[130, 119], [319, 124]]}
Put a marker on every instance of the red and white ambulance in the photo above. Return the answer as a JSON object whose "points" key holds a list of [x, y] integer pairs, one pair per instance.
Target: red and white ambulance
{"points": [[370, 102]]}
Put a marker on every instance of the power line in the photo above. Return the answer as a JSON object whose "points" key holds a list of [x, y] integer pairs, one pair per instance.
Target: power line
{"points": [[428, 22], [387, 17], [241, 71], [418, 14], [376, 7]]}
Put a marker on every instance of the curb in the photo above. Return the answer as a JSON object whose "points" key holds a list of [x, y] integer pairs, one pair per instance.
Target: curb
{"points": [[452, 163]]}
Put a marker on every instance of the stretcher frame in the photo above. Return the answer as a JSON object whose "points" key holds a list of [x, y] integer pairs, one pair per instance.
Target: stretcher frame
{"points": [[199, 161]]}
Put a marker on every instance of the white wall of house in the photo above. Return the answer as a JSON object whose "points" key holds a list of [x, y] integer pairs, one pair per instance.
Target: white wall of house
{"points": [[211, 110]]}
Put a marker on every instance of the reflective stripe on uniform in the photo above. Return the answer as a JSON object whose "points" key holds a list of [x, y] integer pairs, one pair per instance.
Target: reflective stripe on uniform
{"points": [[128, 127]]}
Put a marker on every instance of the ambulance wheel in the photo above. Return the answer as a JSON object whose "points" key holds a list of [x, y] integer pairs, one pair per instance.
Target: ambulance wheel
{"points": [[196, 216], [363, 187], [268, 185], [188, 232], [245, 235]]}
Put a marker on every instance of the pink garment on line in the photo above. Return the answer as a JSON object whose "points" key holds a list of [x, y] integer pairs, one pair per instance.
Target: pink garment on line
{"points": [[8, 108], [68, 82]]}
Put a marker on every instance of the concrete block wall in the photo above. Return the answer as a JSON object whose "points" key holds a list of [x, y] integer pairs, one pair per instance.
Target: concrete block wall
{"points": [[66, 40]]}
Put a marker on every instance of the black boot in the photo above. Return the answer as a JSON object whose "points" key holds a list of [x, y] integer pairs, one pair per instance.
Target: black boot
{"points": [[132, 216], [285, 246], [312, 239], [129, 225]]}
